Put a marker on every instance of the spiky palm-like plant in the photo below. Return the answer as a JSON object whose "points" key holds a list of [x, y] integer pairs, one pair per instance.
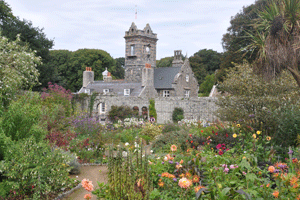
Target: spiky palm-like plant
{"points": [[277, 39]]}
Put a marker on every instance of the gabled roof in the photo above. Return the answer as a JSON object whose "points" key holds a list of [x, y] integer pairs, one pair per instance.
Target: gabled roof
{"points": [[115, 87], [164, 77]]}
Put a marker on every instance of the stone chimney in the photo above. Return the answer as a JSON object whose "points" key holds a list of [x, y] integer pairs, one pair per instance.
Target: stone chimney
{"points": [[106, 76], [177, 62], [148, 82], [88, 76]]}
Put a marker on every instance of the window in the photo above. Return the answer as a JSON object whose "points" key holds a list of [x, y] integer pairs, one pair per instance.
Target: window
{"points": [[132, 50], [87, 91], [102, 108], [105, 91], [166, 93], [187, 94], [187, 78], [126, 92]]}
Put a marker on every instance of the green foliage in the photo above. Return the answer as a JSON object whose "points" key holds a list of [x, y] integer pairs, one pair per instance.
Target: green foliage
{"points": [[207, 85], [170, 127], [288, 125], [34, 170], [165, 62], [177, 115], [152, 111], [128, 176], [5, 142], [119, 72], [70, 66], [23, 118], [236, 38], [18, 69], [120, 112], [205, 62], [252, 100], [149, 131]]}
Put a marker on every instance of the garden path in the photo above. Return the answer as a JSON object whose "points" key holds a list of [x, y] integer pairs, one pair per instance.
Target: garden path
{"points": [[93, 174]]}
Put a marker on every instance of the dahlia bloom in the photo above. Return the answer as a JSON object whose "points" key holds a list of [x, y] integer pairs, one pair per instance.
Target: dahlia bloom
{"points": [[86, 184], [87, 196], [173, 148], [185, 183]]}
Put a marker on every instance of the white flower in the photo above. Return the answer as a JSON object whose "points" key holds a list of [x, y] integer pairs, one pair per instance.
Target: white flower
{"points": [[158, 158], [126, 144], [151, 151], [124, 154], [165, 158]]}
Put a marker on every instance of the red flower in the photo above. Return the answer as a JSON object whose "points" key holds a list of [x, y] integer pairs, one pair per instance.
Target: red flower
{"points": [[218, 146], [187, 141], [226, 135], [190, 135], [223, 148], [220, 152], [201, 131], [213, 131], [32, 186], [216, 133], [203, 143], [192, 141]]}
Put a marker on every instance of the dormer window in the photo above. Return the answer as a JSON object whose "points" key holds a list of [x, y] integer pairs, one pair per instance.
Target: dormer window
{"points": [[166, 93], [126, 92], [87, 91], [187, 78], [105, 91], [132, 50]]}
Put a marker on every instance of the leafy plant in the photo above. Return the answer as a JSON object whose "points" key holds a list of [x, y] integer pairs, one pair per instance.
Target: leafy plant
{"points": [[177, 115], [152, 111]]}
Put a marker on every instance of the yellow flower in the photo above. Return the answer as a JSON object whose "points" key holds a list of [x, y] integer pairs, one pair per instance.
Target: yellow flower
{"points": [[234, 135], [238, 125], [254, 136], [258, 132]]}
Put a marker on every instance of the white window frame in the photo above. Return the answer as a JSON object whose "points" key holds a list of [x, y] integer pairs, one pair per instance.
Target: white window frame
{"points": [[105, 91], [126, 92], [132, 50], [166, 93], [87, 91], [102, 108], [187, 78], [187, 94]]}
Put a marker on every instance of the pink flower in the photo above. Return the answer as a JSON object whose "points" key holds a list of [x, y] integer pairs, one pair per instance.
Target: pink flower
{"points": [[87, 196], [219, 146], [226, 170], [87, 185]]}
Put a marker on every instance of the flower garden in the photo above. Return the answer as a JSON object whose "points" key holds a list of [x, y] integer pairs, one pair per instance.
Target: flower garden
{"points": [[46, 137]]}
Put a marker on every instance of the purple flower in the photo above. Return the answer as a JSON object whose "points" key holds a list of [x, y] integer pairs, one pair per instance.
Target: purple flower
{"points": [[175, 179], [282, 166], [177, 163], [171, 162], [159, 175], [162, 162], [290, 152], [252, 115]]}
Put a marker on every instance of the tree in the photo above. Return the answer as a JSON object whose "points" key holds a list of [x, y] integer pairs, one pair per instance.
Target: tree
{"points": [[18, 68], [207, 85], [119, 71], [277, 39], [237, 38], [165, 62], [34, 37], [205, 62]]}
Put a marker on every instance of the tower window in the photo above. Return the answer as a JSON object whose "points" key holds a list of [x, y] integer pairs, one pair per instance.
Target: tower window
{"points": [[187, 78], [132, 50], [187, 94], [105, 91]]}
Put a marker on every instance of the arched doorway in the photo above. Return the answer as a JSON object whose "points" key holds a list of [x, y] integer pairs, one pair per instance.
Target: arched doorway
{"points": [[145, 112], [136, 111]]}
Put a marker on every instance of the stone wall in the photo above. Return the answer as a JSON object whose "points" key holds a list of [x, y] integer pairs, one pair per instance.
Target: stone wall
{"points": [[194, 108]]}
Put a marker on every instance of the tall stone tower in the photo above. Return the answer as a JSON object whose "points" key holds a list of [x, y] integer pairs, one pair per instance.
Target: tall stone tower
{"points": [[140, 49]]}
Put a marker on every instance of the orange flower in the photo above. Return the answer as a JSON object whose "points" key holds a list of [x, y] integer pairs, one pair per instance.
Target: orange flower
{"points": [[178, 166], [268, 185], [196, 179], [293, 182], [173, 148], [185, 183], [271, 169], [86, 184], [188, 175], [298, 198], [171, 176], [181, 175], [161, 184], [169, 157], [181, 161], [87, 196], [275, 193], [165, 174], [197, 188]]}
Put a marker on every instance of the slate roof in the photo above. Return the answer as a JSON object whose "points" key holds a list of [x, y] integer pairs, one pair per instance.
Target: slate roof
{"points": [[164, 76], [116, 87]]}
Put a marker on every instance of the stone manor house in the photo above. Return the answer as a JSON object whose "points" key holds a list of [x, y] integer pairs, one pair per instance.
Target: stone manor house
{"points": [[170, 87]]}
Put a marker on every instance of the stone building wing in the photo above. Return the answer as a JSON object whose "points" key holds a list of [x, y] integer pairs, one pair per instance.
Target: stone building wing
{"points": [[164, 76], [115, 88]]}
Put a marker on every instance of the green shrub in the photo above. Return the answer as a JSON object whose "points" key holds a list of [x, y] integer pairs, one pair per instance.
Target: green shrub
{"points": [[149, 131], [23, 118], [152, 111], [170, 127], [177, 115], [288, 125], [4, 144], [35, 171], [120, 112]]}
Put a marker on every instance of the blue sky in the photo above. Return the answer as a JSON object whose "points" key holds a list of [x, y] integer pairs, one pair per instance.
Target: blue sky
{"points": [[189, 25]]}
